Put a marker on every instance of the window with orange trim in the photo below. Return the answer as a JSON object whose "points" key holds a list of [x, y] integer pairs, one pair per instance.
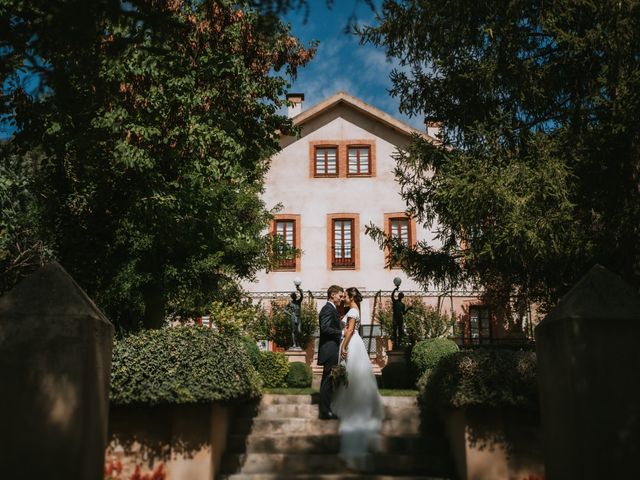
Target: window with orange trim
{"points": [[343, 244], [326, 161], [359, 160], [286, 229]]}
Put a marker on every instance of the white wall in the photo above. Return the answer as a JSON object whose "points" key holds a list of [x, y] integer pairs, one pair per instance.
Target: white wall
{"points": [[289, 183]]}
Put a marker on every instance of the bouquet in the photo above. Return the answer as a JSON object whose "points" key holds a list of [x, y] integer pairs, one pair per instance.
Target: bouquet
{"points": [[339, 375]]}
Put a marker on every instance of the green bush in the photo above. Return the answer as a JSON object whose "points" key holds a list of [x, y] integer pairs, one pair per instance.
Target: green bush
{"points": [[396, 376], [274, 368], [299, 375], [420, 322], [483, 377], [281, 325], [251, 347], [181, 365], [426, 354]]}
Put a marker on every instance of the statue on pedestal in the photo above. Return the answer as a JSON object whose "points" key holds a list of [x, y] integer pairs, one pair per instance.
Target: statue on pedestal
{"points": [[398, 310], [295, 312]]}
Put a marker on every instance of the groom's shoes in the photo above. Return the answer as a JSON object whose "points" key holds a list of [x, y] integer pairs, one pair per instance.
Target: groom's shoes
{"points": [[328, 416]]}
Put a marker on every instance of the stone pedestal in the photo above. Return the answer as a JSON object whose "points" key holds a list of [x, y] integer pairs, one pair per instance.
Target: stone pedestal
{"points": [[397, 356], [296, 355], [55, 363]]}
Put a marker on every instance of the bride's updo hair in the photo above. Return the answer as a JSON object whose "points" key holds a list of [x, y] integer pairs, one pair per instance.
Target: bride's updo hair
{"points": [[354, 293]]}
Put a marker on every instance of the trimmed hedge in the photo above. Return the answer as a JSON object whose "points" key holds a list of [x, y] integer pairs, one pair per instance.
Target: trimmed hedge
{"points": [[427, 353], [299, 376], [251, 347], [181, 365], [483, 377], [274, 368]]}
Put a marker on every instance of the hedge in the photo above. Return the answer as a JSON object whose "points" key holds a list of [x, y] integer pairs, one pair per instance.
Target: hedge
{"points": [[251, 347], [180, 365], [483, 377], [299, 376], [427, 353], [274, 368]]}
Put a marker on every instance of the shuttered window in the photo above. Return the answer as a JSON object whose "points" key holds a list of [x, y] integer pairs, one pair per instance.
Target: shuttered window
{"points": [[286, 229], [326, 161], [359, 160], [343, 243]]}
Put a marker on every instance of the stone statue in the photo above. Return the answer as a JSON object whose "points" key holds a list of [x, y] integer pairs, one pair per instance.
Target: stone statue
{"points": [[295, 310], [398, 309]]}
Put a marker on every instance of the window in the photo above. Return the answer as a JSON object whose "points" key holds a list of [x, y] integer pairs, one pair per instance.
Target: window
{"points": [[399, 229], [326, 161], [479, 325], [343, 246], [359, 160], [287, 228]]}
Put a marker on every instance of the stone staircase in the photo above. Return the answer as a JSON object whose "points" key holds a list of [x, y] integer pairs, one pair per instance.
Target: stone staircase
{"points": [[282, 438]]}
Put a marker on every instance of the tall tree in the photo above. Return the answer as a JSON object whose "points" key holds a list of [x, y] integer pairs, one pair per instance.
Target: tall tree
{"points": [[537, 175], [157, 123]]}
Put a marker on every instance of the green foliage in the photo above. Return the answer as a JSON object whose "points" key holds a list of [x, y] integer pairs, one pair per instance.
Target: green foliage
{"points": [[282, 326], [251, 347], [299, 376], [535, 176], [181, 365], [157, 122], [420, 321], [274, 368], [426, 354], [491, 378], [21, 246], [396, 376], [243, 318]]}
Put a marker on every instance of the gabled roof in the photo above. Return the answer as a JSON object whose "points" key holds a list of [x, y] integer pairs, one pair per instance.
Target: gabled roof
{"points": [[359, 105]]}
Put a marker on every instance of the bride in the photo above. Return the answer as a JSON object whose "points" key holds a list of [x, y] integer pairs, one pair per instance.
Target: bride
{"points": [[358, 405]]}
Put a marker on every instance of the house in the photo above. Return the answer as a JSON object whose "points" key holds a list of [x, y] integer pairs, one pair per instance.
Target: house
{"points": [[332, 180]]}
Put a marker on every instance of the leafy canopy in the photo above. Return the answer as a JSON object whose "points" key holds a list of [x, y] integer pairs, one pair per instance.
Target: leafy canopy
{"points": [[157, 123], [536, 174]]}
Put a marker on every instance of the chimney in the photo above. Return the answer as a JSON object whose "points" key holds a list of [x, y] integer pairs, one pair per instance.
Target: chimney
{"points": [[296, 99], [433, 127]]}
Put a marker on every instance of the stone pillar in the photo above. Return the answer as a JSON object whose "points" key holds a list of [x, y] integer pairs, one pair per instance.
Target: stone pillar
{"points": [[589, 379], [55, 363]]}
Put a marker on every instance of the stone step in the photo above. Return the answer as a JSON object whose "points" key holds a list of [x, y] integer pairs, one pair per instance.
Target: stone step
{"points": [[315, 426], [409, 444], [301, 410], [290, 464], [277, 399], [338, 476]]}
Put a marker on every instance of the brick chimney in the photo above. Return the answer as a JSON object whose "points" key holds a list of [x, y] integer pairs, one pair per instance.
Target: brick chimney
{"points": [[296, 99]]}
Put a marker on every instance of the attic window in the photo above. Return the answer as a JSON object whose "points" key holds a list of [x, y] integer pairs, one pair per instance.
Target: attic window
{"points": [[326, 161]]}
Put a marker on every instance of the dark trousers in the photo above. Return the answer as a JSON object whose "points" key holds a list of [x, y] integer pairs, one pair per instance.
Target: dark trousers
{"points": [[326, 388]]}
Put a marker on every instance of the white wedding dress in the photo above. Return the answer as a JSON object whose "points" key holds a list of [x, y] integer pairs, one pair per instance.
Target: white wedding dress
{"points": [[358, 405]]}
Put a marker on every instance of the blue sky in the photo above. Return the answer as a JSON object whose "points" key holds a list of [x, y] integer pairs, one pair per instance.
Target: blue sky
{"points": [[341, 63]]}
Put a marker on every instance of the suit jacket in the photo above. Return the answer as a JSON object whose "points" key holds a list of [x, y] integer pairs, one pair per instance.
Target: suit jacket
{"points": [[330, 335]]}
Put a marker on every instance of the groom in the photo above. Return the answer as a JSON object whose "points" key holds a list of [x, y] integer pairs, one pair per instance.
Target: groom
{"points": [[330, 336]]}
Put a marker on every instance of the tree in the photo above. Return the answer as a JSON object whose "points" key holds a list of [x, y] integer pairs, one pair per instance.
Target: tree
{"points": [[537, 175], [157, 123]]}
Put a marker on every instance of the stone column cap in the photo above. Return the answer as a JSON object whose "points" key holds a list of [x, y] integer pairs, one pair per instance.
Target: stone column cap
{"points": [[48, 292], [599, 295]]}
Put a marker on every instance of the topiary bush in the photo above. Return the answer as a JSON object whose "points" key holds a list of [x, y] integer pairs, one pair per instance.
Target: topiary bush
{"points": [[426, 354], [273, 370], [181, 365], [299, 376], [251, 347], [483, 377]]}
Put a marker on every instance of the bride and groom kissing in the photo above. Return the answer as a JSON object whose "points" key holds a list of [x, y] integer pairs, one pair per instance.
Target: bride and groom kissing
{"points": [[357, 402]]}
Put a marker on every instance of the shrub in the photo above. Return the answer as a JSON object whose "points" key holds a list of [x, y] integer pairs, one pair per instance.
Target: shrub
{"points": [[251, 347], [274, 368], [299, 375], [483, 377], [281, 325], [426, 354], [181, 365], [242, 319], [420, 322]]}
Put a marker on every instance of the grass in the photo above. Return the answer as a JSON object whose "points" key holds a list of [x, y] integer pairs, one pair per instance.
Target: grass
{"points": [[385, 392]]}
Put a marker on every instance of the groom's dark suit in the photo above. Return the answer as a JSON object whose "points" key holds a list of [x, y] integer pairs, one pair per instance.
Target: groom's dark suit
{"points": [[330, 336]]}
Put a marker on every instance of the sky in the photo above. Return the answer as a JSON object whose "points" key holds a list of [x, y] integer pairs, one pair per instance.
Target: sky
{"points": [[341, 63]]}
